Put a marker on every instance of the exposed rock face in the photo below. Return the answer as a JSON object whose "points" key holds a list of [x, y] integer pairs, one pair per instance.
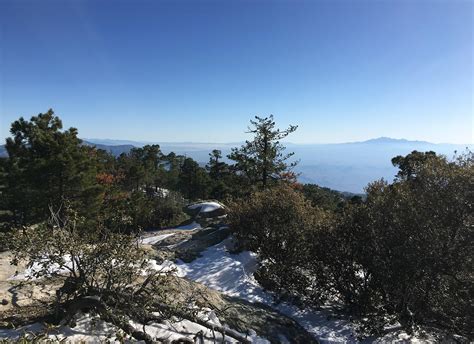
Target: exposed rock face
{"points": [[188, 245], [31, 298], [207, 213], [242, 315]]}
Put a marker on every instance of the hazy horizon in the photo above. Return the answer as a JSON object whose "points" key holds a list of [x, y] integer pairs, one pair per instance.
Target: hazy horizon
{"points": [[285, 140]]}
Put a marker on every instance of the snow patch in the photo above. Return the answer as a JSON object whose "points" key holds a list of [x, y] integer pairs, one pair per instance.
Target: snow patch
{"points": [[163, 192], [151, 240], [91, 329], [29, 273], [232, 274], [192, 226], [165, 267], [206, 207]]}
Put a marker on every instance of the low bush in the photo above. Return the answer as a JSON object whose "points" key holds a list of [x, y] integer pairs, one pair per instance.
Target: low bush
{"points": [[132, 212], [277, 223], [404, 255], [407, 252]]}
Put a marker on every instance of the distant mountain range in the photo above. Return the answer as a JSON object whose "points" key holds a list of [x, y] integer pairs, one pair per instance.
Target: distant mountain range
{"points": [[339, 166], [384, 139], [113, 149]]}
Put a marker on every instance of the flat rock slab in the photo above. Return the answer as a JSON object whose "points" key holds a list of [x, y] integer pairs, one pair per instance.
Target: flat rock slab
{"points": [[188, 245]]}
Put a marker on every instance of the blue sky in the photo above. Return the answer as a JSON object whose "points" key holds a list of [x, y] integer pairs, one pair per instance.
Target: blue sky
{"points": [[198, 71]]}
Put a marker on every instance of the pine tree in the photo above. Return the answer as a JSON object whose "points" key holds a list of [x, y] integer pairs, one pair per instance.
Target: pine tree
{"points": [[262, 160], [45, 167], [217, 168], [194, 182], [142, 168]]}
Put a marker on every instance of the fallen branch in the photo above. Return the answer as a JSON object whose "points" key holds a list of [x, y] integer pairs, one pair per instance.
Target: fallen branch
{"points": [[95, 303], [224, 330], [126, 327]]}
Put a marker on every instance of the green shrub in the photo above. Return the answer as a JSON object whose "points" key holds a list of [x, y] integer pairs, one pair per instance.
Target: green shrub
{"points": [[277, 223], [406, 254], [132, 212]]}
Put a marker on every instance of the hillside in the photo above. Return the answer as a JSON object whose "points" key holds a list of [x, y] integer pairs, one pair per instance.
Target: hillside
{"points": [[112, 149], [224, 280]]}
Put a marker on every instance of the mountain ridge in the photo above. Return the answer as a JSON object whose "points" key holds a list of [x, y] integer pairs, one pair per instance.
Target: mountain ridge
{"points": [[377, 140]]}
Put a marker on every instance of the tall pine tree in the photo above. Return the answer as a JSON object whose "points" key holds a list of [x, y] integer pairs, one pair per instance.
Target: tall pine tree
{"points": [[47, 166], [216, 167], [262, 160]]}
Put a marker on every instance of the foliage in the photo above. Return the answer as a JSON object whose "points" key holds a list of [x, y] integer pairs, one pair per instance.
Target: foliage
{"points": [[141, 168], [172, 164], [262, 160], [223, 180], [216, 167], [60, 244], [405, 254], [323, 197], [108, 274], [46, 165], [419, 232], [132, 212], [194, 182], [103, 271], [411, 165], [276, 223]]}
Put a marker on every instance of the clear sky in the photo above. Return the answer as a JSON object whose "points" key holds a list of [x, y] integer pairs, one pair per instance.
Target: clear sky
{"points": [[198, 71]]}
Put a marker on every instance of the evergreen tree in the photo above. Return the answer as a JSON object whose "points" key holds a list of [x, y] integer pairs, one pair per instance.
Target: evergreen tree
{"points": [[410, 165], [222, 179], [46, 166], [194, 181], [262, 160], [172, 165], [132, 169], [217, 168], [142, 168]]}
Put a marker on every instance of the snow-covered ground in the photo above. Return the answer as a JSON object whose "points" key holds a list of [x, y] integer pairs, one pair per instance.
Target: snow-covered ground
{"points": [[90, 329], [151, 240], [29, 272], [232, 274]]}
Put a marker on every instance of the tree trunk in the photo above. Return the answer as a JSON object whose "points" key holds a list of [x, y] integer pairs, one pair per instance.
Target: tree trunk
{"points": [[265, 162]]}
